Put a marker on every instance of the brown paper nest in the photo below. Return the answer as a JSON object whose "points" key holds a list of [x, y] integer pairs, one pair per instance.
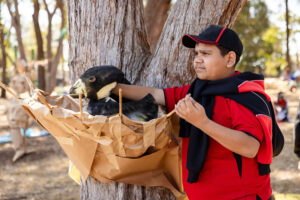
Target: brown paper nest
{"points": [[112, 148]]}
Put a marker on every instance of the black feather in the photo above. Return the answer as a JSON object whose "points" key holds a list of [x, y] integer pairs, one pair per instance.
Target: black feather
{"points": [[142, 110]]}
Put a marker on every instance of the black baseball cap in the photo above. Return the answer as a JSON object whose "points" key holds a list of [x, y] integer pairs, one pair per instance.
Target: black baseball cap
{"points": [[215, 35]]}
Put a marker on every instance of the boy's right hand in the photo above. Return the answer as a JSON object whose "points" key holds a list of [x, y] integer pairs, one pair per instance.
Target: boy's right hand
{"points": [[191, 111]]}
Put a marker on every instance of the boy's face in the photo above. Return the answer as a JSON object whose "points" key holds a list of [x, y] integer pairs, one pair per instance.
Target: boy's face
{"points": [[209, 64]]}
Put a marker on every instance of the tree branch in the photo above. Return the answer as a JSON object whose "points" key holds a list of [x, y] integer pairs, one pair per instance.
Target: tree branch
{"points": [[47, 9]]}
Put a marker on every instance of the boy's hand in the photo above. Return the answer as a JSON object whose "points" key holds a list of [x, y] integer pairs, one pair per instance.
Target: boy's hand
{"points": [[191, 111]]}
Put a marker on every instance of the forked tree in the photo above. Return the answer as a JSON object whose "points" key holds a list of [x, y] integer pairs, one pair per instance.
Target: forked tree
{"points": [[106, 32]]}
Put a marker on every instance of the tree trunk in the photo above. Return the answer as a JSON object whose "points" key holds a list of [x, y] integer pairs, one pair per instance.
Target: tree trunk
{"points": [[49, 42], [171, 62], [156, 14], [51, 78], [40, 49], [15, 18], [49, 34], [3, 55], [54, 64], [113, 33], [107, 32], [288, 59], [3, 60]]}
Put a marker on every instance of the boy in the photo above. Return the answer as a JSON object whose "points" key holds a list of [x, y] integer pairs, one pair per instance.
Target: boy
{"points": [[226, 149]]}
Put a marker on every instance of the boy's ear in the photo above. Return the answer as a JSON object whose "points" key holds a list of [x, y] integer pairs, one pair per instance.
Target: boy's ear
{"points": [[231, 58]]}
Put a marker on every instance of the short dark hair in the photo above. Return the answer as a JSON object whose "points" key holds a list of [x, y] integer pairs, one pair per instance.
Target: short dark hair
{"points": [[224, 51]]}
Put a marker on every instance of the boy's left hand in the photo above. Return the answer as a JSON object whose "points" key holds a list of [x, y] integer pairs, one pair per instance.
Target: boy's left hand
{"points": [[191, 111]]}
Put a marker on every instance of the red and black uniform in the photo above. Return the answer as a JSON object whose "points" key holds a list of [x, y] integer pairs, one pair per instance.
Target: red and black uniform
{"points": [[225, 175]]}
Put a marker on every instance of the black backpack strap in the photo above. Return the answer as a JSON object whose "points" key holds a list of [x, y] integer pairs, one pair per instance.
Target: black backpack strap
{"points": [[277, 136]]}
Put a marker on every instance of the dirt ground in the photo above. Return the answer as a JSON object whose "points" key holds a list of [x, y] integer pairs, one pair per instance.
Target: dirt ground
{"points": [[42, 174], [285, 177]]}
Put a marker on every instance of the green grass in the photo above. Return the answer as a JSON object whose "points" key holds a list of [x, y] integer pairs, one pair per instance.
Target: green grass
{"points": [[287, 196]]}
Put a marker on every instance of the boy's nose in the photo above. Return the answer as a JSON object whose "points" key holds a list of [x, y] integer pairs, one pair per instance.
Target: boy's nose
{"points": [[198, 59]]}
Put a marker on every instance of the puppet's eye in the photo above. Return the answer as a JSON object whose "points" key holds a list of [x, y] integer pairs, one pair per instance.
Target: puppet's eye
{"points": [[92, 79]]}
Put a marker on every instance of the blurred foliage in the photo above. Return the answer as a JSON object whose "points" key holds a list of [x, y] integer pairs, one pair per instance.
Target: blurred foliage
{"points": [[275, 61], [263, 42], [28, 33], [251, 25], [7, 42]]}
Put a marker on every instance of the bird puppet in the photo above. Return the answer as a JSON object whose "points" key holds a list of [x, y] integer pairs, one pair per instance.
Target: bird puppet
{"points": [[96, 84]]}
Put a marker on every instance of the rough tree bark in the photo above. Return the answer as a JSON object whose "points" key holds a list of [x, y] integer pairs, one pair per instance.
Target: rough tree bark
{"points": [[113, 32], [39, 42], [16, 22], [171, 62], [156, 14], [107, 32]]}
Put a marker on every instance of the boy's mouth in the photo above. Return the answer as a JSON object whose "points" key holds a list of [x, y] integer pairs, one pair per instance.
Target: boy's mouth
{"points": [[199, 68]]}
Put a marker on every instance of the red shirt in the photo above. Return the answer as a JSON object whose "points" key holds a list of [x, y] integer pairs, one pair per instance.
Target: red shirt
{"points": [[219, 178]]}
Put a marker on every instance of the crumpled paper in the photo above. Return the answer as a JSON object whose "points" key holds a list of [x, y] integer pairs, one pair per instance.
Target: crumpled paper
{"points": [[112, 148]]}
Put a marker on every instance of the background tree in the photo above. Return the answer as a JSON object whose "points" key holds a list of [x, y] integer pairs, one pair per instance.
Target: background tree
{"points": [[49, 32], [53, 61], [296, 31], [3, 54], [46, 79], [113, 32], [252, 23], [287, 24], [293, 29], [275, 61], [16, 23], [39, 44], [3, 59]]}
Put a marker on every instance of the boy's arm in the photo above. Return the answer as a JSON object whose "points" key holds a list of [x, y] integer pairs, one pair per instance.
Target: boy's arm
{"points": [[236, 141], [136, 92]]}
